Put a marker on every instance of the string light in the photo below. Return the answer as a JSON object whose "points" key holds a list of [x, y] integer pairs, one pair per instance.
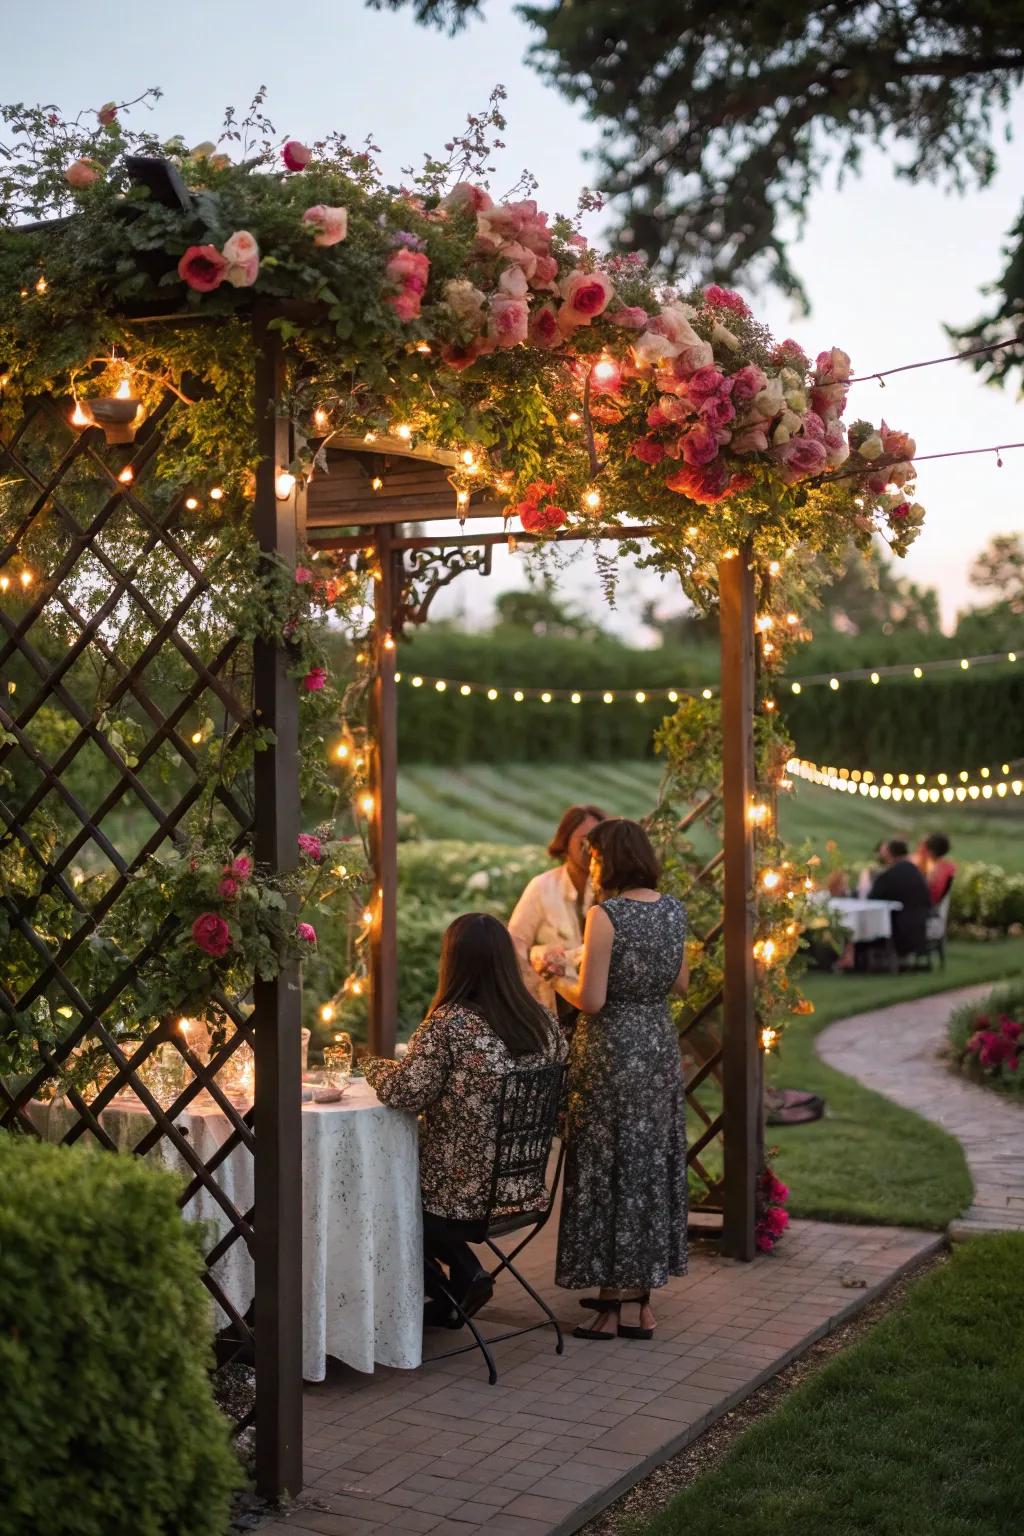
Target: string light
{"points": [[320, 417], [191, 503], [127, 475], [404, 432], [769, 1037], [216, 494], [5, 582], [26, 578], [896, 786], [79, 416], [366, 804], [376, 484], [592, 500], [327, 1013], [284, 484]]}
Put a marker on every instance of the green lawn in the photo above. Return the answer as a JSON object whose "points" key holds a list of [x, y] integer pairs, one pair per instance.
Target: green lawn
{"points": [[914, 1431], [869, 1160], [521, 802]]}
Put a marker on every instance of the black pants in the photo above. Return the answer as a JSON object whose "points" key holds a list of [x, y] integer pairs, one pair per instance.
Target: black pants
{"points": [[446, 1242]]}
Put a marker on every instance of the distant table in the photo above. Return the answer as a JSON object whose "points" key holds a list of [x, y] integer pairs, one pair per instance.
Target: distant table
{"points": [[866, 921], [362, 1239]]}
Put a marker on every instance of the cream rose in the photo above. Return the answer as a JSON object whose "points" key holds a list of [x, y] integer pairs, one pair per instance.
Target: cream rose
{"points": [[328, 225]]}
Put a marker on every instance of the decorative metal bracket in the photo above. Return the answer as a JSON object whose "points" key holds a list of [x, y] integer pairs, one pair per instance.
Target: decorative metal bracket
{"points": [[423, 572]]}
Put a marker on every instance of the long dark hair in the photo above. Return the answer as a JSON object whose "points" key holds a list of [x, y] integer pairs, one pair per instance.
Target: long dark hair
{"points": [[479, 967], [625, 856]]}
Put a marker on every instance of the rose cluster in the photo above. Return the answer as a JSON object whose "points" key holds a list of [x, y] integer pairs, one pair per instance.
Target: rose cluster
{"points": [[996, 1045], [772, 1219]]}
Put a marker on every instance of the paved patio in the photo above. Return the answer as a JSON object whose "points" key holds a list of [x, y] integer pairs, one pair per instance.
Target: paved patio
{"points": [[558, 1438], [896, 1052]]}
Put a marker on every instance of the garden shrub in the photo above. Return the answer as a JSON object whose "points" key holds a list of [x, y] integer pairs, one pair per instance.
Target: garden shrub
{"points": [[985, 896], [109, 1425], [987, 1038]]}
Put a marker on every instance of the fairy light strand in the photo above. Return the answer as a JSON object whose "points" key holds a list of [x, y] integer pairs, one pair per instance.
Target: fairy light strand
{"points": [[914, 788]]}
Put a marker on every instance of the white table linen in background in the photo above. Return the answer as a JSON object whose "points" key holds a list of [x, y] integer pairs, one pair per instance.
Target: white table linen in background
{"points": [[864, 920], [362, 1227]]}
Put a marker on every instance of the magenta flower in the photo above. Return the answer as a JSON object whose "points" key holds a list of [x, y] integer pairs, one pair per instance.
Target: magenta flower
{"points": [[310, 846], [315, 679], [211, 934], [306, 932]]}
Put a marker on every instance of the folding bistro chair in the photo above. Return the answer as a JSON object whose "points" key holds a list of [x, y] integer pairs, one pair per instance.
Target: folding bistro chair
{"points": [[527, 1118]]}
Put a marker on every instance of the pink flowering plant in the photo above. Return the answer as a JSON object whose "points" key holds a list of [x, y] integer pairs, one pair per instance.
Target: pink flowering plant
{"points": [[487, 328], [987, 1039], [213, 922], [772, 1216]]}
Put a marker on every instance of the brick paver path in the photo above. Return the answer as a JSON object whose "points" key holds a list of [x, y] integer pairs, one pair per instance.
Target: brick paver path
{"points": [[558, 1438], [896, 1052]]}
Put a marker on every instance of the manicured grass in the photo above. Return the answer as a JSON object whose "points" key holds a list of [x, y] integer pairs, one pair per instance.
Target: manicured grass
{"points": [[914, 1431], [869, 1160]]}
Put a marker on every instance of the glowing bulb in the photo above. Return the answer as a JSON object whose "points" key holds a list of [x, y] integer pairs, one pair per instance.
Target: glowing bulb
{"points": [[774, 568], [191, 503], [123, 390], [367, 917], [417, 682], [576, 698], [592, 500], [792, 619], [1011, 655], [605, 371], [918, 672], [673, 697], [440, 685], [366, 804], [765, 622], [468, 456], [25, 578], [357, 988], [465, 690], [197, 737], [874, 677], [216, 494], [369, 437], [608, 698], [127, 475], [462, 498], [284, 484], [692, 531], [768, 1037], [706, 693], [41, 284], [327, 1012], [757, 813], [398, 677], [423, 347], [964, 664], [376, 484], [770, 879], [492, 694], [797, 688], [389, 642], [320, 417], [545, 698], [573, 417], [5, 582], [519, 695], [79, 417], [404, 432], [833, 683], [767, 647], [641, 697]]}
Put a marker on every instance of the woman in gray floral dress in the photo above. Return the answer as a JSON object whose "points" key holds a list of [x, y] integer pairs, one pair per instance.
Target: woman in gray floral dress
{"points": [[623, 1225]]}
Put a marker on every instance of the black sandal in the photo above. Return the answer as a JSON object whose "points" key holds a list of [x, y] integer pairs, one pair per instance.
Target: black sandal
{"points": [[611, 1307], [628, 1330]]}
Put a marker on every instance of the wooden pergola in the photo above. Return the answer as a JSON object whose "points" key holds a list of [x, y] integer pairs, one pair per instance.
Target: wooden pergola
{"points": [[371, 493]]}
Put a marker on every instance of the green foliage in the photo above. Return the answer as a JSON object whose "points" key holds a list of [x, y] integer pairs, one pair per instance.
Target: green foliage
{"points": [[941, 724], [864, 1444], [986, 897], [105, 1348]]}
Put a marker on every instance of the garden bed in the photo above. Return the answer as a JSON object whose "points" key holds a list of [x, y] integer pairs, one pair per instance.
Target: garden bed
{"points": [[986, 1039]]}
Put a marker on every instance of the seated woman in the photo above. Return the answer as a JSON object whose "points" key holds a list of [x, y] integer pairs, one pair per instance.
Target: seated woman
{"points": [[481, 1025], [939, 870]]}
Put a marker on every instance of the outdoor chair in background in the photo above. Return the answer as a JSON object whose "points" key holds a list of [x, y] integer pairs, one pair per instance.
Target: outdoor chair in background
{"points": [[527, 1119], [935, 932]]}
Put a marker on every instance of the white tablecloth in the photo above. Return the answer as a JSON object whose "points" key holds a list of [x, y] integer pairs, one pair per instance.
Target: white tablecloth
{"points": [[864, 920], [362, 1254]]}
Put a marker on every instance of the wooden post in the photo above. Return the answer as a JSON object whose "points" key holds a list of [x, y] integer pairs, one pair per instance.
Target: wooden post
{"points": [[741, 1055], [278, 1108], [384, 821]]}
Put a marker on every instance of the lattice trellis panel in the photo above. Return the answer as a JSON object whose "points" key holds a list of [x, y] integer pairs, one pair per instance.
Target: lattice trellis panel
{"points": [[120, 675]]}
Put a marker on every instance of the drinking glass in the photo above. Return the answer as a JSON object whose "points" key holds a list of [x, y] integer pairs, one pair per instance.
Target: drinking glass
{"points": [[338, 1060]]}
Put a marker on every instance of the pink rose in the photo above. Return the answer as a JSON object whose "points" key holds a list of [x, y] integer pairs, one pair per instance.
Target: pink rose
{"points": [[706, 383], [656, 416], [513, 284], [509, 320], [303, 574], [897, 445], [747, 382], [586, 295], [328, 225], [306, 932], [1011, 1029], [545, 272], [829, 399], [464, 195], [82, 174], [518, 255], [242, 255], [718, 411], [202, 267], [776, 1220], [671, 408], [310, 846], [672, 321], [764, 1243], [211, 934], [630, 316], [648, 450], [800, 457], [753, 440], [790, 353], [242, 867], [228, 888], [544, 331], [315, 679], [409, 268], [725, 298], [700, 444], [693, 357], [296, 156], [832, 367], [406, 304], [107, 114], [902, 511], [707, 484]]}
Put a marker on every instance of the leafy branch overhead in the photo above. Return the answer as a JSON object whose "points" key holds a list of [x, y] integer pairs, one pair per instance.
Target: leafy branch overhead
{"points": [[719, 121]]}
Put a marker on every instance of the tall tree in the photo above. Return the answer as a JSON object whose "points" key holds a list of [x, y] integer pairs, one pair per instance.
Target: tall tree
{"points": [[719, 121], [999, 568]]}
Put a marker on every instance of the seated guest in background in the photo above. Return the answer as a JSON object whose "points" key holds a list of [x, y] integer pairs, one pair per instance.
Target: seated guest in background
{"points": [[902, 881], [481, 1025], [868, 876], [937, 869], [547, 924]]}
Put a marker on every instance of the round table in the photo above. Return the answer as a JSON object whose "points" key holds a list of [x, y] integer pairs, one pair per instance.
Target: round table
{"points": [[362, 1242], [864, 920]]}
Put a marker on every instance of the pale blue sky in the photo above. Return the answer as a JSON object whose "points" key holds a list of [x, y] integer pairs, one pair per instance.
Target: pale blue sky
{"points": [[884, 263]]}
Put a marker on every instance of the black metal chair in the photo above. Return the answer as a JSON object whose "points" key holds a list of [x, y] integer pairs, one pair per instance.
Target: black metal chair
{"points": [[527, 1119]]}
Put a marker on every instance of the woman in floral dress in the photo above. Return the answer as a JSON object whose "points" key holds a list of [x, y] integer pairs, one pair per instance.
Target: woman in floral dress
{"points": [[623, 1225], [481, 1025]]}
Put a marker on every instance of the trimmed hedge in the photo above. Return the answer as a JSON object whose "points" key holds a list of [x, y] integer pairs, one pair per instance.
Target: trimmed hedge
{"points": [[109, 1425]]}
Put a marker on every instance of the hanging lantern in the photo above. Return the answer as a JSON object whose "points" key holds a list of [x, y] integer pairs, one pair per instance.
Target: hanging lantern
{"points": [[116, 414]]}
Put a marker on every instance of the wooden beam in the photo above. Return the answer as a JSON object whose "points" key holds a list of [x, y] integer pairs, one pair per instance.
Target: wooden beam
{"points": [[741, 1056], [352, 543], [384, 822], [278, 1106]]}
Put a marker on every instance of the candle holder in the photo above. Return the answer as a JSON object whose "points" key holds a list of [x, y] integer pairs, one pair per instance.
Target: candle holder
{"points": [[116, 416]]}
